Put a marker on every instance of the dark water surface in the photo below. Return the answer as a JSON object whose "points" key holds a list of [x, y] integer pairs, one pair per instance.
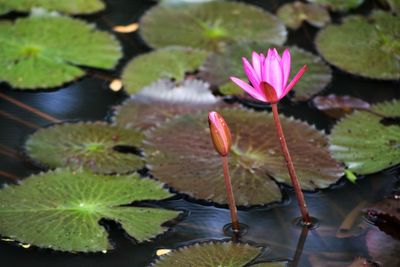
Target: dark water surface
{"points": [[90, 99]]}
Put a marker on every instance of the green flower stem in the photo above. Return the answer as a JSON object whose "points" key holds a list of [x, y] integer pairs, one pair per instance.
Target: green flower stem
{"points": [[289, 163], [230, 197]]}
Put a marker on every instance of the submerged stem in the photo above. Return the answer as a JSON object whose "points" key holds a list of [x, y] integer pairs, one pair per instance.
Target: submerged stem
{"points": [[230, 197], [289, 163]]}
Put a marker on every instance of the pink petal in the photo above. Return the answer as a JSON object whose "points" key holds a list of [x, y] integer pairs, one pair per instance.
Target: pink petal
{"points": [[286, 62], [274, 75], [277, 55], [295, 80], [250, 73], [250, 90], [256, 64]]}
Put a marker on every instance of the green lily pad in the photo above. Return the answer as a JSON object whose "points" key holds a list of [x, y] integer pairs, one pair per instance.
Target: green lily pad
{"points": [[364, 143], [183, 2], [45, 51], [210, 25], [61, 210], [359, 42], [166, 63], [219, 67], [163, 100], [93, 146], [180, 153], [294, 14], [226, 254], [338, 5], [73, 7]]}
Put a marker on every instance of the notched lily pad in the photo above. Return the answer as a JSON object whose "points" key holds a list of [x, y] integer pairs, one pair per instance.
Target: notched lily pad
{"points": [[72, 7], [360, 41], [220, 66], [45, 51], [180, 153], [227, 254], [294, 14], [364, 143], [338, 5], [61, 210], [162, 100], [97, 147], [337, 106], [210, 25], [166, 63]]}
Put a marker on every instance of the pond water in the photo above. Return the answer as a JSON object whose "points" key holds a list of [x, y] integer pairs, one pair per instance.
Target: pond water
{"points": [[91, 99]]}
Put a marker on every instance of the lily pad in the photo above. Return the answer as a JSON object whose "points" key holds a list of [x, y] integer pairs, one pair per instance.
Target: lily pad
{"points": [[360, 41], [219, 67], [163, 100], [45, 51], [210, 25], [364, 142], [226, 254], [394, 5], [336, 106], [166, 63], [294, 14], [73, 7], [93, 146], [180, 153], [338, 5], [182, 2], [62, 210]]}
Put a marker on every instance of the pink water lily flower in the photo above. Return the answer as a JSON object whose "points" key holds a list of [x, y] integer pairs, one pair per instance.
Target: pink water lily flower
{"points": [[268, 76]]}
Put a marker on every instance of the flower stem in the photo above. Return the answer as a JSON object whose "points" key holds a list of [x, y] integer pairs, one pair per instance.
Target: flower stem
{"points": [[289, 163], [230, 197]]}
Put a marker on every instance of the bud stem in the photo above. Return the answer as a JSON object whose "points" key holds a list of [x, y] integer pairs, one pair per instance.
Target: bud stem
{"points": [[289, 163], [229, 195]]}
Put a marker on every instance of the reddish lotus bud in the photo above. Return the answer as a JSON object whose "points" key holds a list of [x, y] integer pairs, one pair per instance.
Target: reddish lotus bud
{"points": [[220, 133]]}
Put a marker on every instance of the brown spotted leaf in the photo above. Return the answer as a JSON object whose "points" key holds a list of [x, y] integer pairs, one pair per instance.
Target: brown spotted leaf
{"points": [[180, 153], [337, 106]]}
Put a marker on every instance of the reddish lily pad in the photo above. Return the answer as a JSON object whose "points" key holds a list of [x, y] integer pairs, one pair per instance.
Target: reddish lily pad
{"points": [[364, 41], [220, 66], [382, 248], [364, 142], [210, 25], [386, 215], [293, 14], [166, 63], [337, 106], [180, 153], [96, 146], [162, 100]]}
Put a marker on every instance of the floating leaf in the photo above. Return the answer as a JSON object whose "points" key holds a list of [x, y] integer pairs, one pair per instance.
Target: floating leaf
{"points": [[293, 15], [386, 215], [162, 100], [359, 42], [180, 153], [225, 254], [45, 51], [337, 106], [364, 143], [69, 7], [338, 5], [166, 63], [94, 146], [62, 210], [220, 66], [210, 25], [181, 2], [383, 249]]}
